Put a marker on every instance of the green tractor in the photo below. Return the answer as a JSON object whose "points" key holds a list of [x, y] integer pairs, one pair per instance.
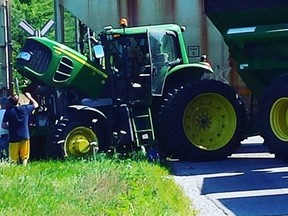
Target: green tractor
{"points": [[256, 33], [139, 91]]}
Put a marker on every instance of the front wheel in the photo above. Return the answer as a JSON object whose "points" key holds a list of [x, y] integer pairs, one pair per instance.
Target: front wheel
{"points": [[205, 120], [73, 138]]}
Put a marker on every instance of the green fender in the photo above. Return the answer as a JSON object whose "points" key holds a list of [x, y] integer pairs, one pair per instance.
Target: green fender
{"points": [[187, 72], [200, 66]]}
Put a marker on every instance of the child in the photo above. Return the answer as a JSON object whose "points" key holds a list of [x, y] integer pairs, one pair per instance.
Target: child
{"points": [[16, 121]]}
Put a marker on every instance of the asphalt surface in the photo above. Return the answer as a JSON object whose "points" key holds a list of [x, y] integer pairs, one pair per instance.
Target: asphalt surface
{"points": [[252, 182]]}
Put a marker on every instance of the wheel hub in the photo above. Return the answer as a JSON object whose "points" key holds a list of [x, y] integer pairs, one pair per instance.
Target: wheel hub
{"points": [[204, 121], [81, 145]]}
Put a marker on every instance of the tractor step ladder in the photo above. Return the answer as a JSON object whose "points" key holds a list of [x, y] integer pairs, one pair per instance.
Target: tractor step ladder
{"points": [[143, 126]]}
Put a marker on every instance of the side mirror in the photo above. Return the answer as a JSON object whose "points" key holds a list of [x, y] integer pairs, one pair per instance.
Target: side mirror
{"points": [[98, 50]]}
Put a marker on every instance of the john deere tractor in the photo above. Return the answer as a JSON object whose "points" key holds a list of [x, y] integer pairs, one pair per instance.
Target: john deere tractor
{"points": [[139, 91]]}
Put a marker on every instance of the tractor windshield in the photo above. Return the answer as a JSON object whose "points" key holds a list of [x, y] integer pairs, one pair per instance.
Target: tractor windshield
{"points": [[163, 51], [128, 53]]}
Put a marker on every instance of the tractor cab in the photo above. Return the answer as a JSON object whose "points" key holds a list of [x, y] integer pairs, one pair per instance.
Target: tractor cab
{"points": [[139, 59]]}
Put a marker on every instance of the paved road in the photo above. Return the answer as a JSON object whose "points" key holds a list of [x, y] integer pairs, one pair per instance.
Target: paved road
{"points": [[249, 183]]}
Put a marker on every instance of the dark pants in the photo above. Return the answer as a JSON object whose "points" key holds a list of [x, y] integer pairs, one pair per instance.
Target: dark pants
{"points": [[4, 146]]}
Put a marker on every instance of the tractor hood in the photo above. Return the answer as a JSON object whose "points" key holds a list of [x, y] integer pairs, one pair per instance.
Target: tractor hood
{"points": [[46, 61]]}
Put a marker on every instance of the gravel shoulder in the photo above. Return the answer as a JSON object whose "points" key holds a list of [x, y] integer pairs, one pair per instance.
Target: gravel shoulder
{"points": [[192, 187], [203, 204]]}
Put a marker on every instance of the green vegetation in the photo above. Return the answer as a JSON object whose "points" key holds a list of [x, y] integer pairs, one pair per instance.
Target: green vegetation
{"points": [[98, 187]]}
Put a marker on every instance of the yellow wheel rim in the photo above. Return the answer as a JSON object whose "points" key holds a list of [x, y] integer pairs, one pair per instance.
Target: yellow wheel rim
{"points": [[209, 121], [78, 142], [279, 118]]}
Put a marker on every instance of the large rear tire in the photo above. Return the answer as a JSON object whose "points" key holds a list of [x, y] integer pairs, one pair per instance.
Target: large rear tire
{"points": [[202, 120], [74, 138], [274, 113]]}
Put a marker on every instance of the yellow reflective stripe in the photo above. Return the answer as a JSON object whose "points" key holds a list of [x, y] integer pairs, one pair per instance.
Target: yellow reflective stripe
{"points": [[81, 61]]}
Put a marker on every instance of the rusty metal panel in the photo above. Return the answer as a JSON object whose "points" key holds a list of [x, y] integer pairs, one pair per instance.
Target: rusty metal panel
{"points": [[94, 13]]}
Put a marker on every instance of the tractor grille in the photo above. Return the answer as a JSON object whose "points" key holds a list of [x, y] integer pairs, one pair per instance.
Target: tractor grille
{"points": [[64, 70], [40, 56]]}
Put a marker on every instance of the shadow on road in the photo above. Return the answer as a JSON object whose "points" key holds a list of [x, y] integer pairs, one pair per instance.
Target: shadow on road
{"points": [[250, 182]]}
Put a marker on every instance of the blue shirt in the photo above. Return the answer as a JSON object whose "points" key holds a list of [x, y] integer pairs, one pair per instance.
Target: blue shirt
{"points": [[2, 130], [17, 118]]}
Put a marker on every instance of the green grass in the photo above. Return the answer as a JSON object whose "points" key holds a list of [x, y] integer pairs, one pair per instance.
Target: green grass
{"points": [[98, 187]]}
